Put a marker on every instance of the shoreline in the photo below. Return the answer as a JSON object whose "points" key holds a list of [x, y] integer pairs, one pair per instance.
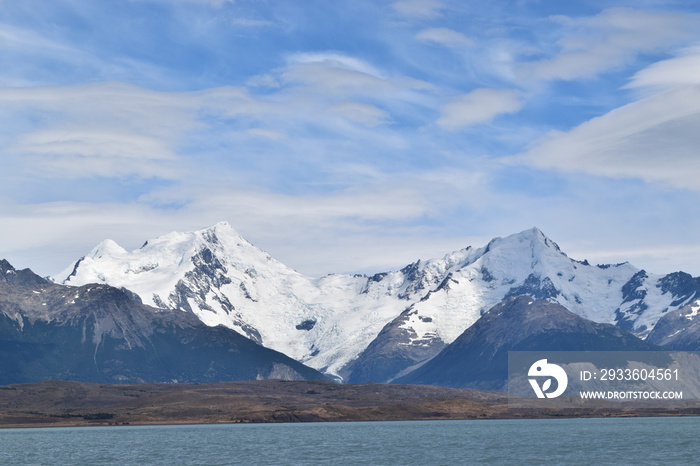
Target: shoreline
{"points": [[194, 423], [77, 404]]}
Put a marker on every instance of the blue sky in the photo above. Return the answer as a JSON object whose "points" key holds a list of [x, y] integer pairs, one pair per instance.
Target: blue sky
{"points": [[351, 136]]}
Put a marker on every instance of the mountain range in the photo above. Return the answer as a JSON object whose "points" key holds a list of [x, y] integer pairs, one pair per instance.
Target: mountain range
{"points": [[386, 326]]}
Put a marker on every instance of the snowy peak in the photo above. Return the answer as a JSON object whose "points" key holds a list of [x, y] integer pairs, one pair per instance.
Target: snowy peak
{"points": [[224, 227], [525, 249], [218, 235], [533, 236], [531, 247], [154, 270], [184, 245], [213, 273], [108, 248]]}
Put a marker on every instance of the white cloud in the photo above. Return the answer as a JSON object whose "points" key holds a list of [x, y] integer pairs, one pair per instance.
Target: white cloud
{"points": [[611, 39], [316, 82], [331, 79], [266, 133], [324, 75], [655, 139], [263, 80], [79, 151], [678, 71], [31, 57], [109, 129], [334, 73], [425, 9], [479, 106], [365, 114], [117, 130], [447, 37], [247, 22], [337, 61], [17, 39]]}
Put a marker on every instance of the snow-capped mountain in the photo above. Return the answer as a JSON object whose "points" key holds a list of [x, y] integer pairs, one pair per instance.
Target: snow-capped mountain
{"points": [[478, 358], [373, 328], [101, 334], [225, 280], [527, 263]]}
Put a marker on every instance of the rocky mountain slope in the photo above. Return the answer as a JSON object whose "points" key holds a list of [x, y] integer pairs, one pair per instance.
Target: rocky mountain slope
{"points": [[478, 358], [678, 330]]}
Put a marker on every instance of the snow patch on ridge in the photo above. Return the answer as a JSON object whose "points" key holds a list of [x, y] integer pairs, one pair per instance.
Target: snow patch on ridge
{"points": [[694, 312]]}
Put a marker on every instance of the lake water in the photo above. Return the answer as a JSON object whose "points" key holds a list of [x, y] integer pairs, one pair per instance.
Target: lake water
{"points": [[551, 441]]}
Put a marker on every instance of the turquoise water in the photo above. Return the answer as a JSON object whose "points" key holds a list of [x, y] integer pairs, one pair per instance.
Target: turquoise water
{"points": [[558, 441]]}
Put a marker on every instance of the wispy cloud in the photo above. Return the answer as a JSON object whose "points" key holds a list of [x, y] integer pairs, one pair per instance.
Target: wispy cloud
{"points": [[79, 152], [479, 106], [335, 60], [447, 37], [651, 139], [610, 40], [365, 114], [683, 70], [425, 9], [248, 22], [108, 129]]}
